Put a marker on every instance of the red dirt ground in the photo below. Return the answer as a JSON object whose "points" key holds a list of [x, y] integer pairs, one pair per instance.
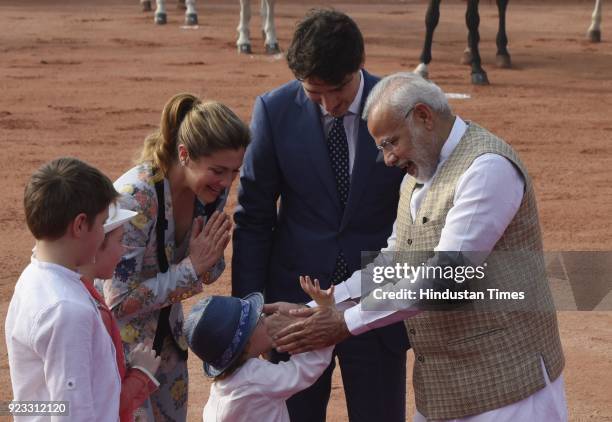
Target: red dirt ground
{"points": [[89, 79]]}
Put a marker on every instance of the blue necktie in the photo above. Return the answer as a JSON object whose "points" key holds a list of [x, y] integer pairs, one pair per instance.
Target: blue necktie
{"points": [[337, 146]]}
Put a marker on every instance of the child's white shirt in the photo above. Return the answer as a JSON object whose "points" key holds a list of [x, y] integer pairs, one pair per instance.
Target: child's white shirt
{"points": [[258, 389], [58, 346]]}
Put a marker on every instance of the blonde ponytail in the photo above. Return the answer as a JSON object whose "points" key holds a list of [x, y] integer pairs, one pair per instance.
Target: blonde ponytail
{"points": [[203, 128]]}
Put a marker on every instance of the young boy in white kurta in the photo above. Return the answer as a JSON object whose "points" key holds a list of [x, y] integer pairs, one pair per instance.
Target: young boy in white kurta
{"points": [[247, 388], [58, 347]]}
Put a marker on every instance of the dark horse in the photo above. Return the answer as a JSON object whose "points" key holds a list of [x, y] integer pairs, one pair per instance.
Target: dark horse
{"points": [[471, 54]]}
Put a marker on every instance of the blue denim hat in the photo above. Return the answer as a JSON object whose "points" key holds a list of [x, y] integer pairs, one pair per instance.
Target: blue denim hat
{"points": [[218, 328]]}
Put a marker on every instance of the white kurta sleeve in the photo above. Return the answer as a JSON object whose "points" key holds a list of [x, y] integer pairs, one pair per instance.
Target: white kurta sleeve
{"points": [[284, 379], [487, 197], [62, 337]]}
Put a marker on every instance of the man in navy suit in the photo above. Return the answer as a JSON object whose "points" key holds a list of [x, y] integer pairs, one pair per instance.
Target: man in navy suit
{"points": [[311, 150]]}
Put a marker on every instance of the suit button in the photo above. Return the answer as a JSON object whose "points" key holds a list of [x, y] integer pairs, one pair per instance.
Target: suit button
{"points": [[420, 358], [412, 331], [409, 241]]}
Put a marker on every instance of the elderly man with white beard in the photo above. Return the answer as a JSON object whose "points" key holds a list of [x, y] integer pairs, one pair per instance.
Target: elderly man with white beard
{"points": [[466, 194]]}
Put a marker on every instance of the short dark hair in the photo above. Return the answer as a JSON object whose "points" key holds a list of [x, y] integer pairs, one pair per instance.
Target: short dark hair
{"points": [[327, 45], [59, 191]]}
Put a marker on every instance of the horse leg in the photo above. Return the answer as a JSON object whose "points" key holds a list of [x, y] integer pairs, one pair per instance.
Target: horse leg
{"points": [[271, 42], [263, 14], [244, 41], [431, 21], [502, 57], [160, 13], [472, 18], [146, 5], [191, 15], [594, 32]]}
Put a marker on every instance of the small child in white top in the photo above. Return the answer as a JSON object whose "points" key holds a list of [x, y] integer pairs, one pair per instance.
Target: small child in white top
{"points": [[229, 335]]}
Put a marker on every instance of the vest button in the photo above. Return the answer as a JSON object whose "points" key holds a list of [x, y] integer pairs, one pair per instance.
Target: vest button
{"points": [[409, 241], [421, 358], [412, 331]]}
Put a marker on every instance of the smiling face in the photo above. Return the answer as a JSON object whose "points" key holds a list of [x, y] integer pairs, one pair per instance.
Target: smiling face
{"points": [[408, 143], [207, 177], [335, 99]]}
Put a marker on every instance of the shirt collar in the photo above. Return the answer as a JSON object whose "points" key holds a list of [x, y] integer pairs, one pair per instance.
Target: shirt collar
{"points": [[459, 128], [66, 273], [354, 107]]}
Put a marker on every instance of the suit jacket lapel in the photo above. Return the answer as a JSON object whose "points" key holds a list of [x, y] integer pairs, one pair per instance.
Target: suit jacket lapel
{"points": [[310, 133], [365, 156]]}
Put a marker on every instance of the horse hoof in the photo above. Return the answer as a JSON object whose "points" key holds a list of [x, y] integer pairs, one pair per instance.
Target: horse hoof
{"points": [[503, 61], [421, 69], [181, 5], [146, 6], [272, 48], [244, 49], [594, 36], [160, 19], [467, 56], [191, 19], [480, 78]]}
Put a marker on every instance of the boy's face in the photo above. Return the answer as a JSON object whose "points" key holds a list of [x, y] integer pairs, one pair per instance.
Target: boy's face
{"points": [[91, 238], [109, 254], [260, 342]]}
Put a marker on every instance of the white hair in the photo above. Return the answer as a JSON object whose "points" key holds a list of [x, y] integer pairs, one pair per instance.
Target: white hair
{"points": [[402, 91]]}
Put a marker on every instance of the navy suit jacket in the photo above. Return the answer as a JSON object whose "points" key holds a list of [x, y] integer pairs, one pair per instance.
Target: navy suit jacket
{"points": [[289, 220]]}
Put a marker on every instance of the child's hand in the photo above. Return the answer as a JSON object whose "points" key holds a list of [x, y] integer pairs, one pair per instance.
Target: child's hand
{"points": [[143, 355], [322, 297]]}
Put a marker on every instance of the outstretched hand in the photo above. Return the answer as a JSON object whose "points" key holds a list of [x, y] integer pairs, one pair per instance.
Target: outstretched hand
{"points": [[313, 289]]}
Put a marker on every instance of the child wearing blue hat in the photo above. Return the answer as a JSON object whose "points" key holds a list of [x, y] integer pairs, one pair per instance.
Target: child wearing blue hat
{"points": [[229, 334]]}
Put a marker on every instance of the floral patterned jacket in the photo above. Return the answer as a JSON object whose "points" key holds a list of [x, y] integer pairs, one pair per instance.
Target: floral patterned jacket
{"points": [[138, 290]]}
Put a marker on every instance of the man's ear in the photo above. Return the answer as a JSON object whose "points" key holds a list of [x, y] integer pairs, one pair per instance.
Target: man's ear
{"points": [[79, 225], [423, 114]]}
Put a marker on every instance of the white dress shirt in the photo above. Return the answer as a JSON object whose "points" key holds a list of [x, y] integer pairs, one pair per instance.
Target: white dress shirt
{"points": [[58, 346], [351, 123], [257, 390]]}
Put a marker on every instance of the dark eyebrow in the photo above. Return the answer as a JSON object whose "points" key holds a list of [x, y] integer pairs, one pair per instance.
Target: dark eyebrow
{"points": [[220, 167]]}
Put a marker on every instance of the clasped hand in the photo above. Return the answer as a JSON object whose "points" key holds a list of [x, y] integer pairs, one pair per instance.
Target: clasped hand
{"points": [[208, 242]]}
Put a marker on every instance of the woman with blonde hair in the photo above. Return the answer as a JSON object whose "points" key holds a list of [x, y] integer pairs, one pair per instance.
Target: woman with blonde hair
{"points": [[176, 242]]}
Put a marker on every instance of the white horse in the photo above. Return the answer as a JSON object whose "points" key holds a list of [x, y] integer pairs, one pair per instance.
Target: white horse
{"points": [[243, 43], [594, 32], [268, 29]]}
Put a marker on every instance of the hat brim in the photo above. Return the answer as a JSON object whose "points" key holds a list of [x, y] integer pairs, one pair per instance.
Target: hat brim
{"points": [[121, 216], [256, 302]]}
